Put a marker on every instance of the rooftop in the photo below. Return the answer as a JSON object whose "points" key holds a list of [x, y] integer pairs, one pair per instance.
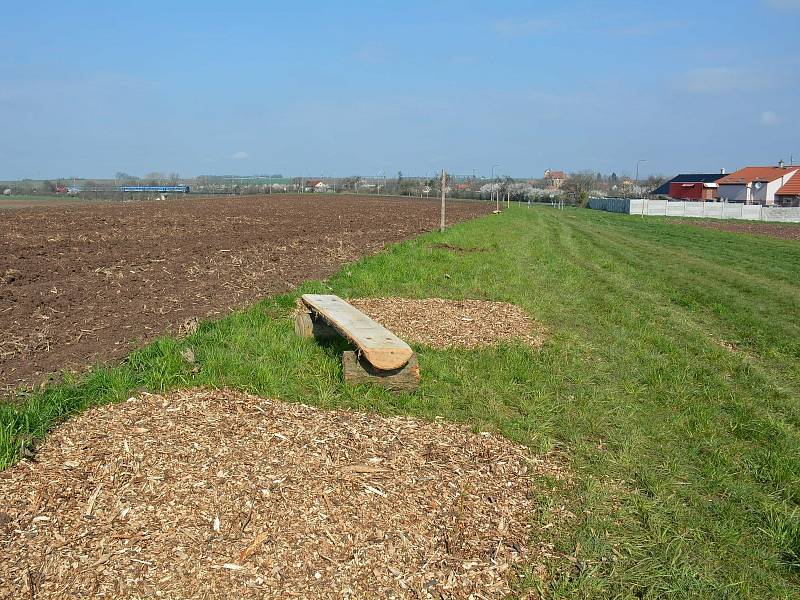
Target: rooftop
{"points": [[792, 187], [750, 174], [663, 189]]}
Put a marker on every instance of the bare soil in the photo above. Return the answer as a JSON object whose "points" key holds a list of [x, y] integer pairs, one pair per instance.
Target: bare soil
{"points": [[784, 231], [219, 494], [40, 201], [459, 249], [89, 283]]}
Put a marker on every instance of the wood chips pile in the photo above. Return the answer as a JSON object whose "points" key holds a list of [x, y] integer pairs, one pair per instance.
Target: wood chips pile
{"points": [[442, 323], [219, 494]]}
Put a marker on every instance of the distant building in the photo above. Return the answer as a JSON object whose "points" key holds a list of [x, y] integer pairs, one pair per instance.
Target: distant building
{"points": [[757, 185], [690, 186], [554, 179], [310, 184], [789, 194]]}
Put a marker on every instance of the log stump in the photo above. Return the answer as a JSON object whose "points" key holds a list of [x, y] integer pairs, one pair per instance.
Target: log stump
{"points": [[357, 370], [305, 325]]}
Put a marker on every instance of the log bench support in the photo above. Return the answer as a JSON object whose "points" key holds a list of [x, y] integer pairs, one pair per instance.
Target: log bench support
{"points": [[307, 325], [380, 358], [357, 370]]}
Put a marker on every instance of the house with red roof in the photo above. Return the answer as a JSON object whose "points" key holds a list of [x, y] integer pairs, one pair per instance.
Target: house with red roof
{"points": [[789, 194], [554, 179], [757, 185]]}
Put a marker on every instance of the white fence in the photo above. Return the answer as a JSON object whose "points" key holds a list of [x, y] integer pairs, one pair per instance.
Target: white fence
{"points": [[708, 210]]}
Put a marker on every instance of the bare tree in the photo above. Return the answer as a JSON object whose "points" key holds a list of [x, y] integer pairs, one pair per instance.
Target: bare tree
{"points": [[654, 181], [123, 177], [576, 188], [154, 178]]}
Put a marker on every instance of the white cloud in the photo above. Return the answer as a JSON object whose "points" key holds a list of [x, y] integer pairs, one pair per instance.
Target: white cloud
{"points": [[371, 54], [711, 80], [640, 28], [783, 4], [241, 155], [769, 118], [523, 27], [747, 79]]}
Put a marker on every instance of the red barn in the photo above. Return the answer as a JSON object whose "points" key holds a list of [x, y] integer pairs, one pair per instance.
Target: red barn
{"points": [[692, 191], [690, 186]]}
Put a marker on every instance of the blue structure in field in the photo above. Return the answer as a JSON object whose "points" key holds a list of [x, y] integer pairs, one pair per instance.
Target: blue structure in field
{"points": [[172, 189]]}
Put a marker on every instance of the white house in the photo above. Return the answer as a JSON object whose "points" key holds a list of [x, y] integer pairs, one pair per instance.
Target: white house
{"points": [[755, 185]]}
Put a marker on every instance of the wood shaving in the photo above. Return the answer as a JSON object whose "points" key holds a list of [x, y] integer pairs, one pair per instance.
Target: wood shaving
{"points": [[440, 323], [219, 494]]}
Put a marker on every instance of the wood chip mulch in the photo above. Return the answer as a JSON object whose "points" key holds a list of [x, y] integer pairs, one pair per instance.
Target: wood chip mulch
{"points": [[440, 323], [219, 494]]}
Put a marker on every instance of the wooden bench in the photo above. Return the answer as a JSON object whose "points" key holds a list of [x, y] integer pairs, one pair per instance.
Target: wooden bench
{"points": [[380, 357]]}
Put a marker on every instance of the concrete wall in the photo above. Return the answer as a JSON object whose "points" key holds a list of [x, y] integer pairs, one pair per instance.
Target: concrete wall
{"points": [[779, 213], [707, 210]]}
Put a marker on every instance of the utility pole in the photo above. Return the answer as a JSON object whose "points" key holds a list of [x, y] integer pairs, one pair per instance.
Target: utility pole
{"points": [[441, 217], [638, 162]]}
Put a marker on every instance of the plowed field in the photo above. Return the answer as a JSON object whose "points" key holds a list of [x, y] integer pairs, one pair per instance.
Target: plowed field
{"points": [[90, 282]]}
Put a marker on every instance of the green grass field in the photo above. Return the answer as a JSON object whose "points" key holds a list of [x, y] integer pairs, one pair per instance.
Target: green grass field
{"points": [[669, 384]]}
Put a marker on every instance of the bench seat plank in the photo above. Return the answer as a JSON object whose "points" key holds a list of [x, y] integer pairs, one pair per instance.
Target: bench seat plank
{"points": [[383, 349]]}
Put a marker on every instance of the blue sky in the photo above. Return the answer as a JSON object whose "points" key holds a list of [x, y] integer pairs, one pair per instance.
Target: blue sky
{"points": [[89, 89]]}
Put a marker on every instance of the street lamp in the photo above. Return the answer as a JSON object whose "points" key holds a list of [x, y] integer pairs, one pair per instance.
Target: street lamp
{"points": [[496, 193], [638, 162]]}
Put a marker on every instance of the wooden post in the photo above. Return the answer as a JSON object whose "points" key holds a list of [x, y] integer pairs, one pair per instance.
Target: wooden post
{"points": [[441, 218]]}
